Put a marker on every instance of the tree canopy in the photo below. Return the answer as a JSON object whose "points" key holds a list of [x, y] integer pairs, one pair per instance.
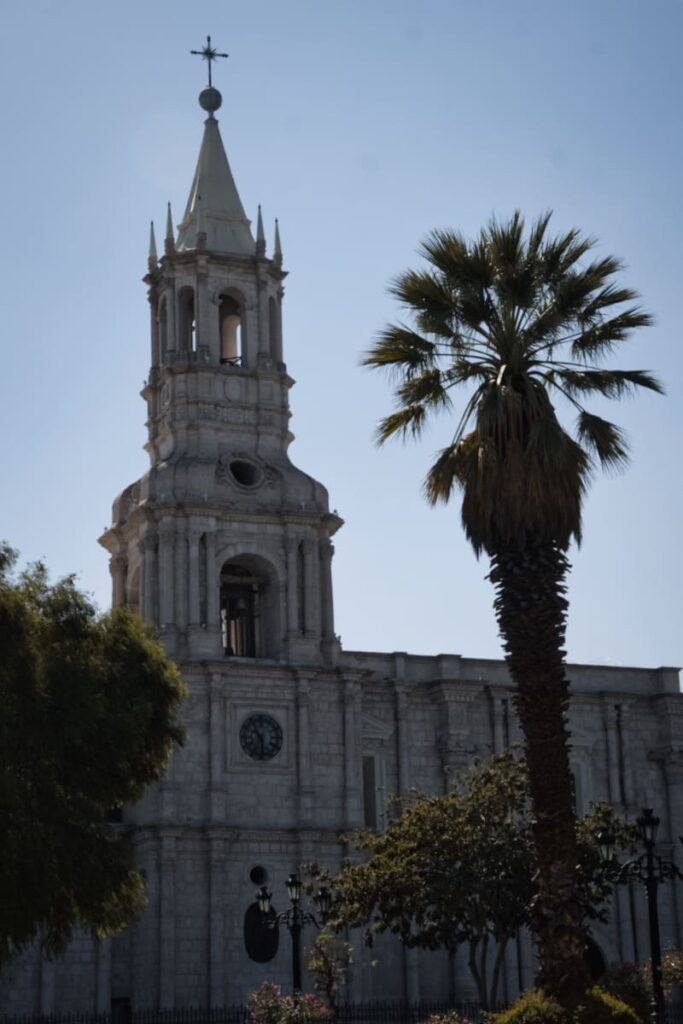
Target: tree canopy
{"points": [[460, 870], [88, 707]]}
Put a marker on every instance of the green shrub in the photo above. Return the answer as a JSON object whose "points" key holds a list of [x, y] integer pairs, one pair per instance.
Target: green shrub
{"points": [[600, 1007], [597, 1007], [531, 1008]]}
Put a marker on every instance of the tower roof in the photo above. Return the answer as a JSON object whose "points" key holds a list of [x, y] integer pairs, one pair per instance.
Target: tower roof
{"points": [[224, 221]]}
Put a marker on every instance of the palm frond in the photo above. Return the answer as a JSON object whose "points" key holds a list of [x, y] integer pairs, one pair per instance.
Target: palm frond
{"points": [[407, 421], [601, 338], [610, 383], [460, 264], [401, 349], [605, 439], [428, 389], [450, 468]]}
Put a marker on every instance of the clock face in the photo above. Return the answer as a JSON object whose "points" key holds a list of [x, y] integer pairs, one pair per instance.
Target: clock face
{"points": [[261, 737]]}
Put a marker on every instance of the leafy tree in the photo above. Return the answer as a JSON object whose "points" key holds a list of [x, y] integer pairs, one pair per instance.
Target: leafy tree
{"points": [[520, 318], [329, 961], [87, 721], [460, 870]]}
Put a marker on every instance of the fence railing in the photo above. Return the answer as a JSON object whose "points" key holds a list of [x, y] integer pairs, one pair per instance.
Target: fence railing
{"points": [[349, 1013]]}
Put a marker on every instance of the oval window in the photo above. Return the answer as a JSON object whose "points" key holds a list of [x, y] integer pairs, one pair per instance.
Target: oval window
{"points": [[246, 474], [261, 938]]}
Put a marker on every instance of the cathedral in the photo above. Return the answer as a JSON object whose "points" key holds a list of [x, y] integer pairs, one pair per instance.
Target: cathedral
{"points": [[226, 547]]}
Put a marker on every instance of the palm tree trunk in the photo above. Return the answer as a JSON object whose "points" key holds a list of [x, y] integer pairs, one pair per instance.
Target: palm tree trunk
{"points": [[531, 609]]}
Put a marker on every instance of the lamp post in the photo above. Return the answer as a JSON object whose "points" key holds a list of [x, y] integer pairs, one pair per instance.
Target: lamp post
{"points": [[652, 871], [294, 917]]}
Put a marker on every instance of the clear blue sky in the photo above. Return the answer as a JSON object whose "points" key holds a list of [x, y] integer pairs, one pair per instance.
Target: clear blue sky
{"points": [[361, 125]]}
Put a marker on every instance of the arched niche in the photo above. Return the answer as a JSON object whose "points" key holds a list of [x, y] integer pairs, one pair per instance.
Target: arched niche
{"points": [[187, 325], [249, 608], [231, 327]]}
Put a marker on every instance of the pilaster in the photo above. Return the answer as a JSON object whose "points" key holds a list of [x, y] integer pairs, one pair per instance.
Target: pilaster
{"points": [[217, 950], [167, 923], [103, 975], [351, 697], [48, 979], [217, 796], [312, 588], [401, 705], [457, 727], [305, 777]]}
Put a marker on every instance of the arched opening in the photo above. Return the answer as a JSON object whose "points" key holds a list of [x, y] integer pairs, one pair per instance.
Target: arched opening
{"points": [[187, 328], [230, 325], [249, 609], [162, 320]]}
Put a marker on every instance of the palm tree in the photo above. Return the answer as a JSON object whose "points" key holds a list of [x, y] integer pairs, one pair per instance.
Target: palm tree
{"points": [[517, 319]]}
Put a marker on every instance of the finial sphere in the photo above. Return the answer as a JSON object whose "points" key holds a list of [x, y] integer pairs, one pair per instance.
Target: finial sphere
{"points": [[210, 99]]}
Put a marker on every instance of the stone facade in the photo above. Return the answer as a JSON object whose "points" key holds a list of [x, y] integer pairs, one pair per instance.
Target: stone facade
{"points": [[226, 547]]}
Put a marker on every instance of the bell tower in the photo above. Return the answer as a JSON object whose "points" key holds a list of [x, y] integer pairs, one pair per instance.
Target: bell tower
{"points": [[223, 544]]}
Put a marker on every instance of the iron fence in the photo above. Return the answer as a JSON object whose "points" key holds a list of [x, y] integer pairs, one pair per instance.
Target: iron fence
{"points": [[348, 1013]]}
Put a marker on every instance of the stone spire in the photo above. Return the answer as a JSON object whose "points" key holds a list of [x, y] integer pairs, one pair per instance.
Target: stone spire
{"points": [[260, 235], [169, 241], [277, 247], [225, 223], [152, 259]]}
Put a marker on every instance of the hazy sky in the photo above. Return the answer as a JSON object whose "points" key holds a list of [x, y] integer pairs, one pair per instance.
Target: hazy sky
{"points": [[361, 125]]}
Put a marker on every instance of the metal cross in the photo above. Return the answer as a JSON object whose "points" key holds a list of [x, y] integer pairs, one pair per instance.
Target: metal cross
{"points": [[208, 53]]}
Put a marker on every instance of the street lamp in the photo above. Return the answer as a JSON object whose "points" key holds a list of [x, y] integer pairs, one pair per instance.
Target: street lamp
{"points": [[652, 871], [294, 918]]}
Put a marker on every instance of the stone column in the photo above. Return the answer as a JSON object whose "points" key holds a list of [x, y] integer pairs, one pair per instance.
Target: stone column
{"points": [[671, 761], [312, 585], [217, 952], [48, 971], [193, 574], [304, 766], [118, 567], [166, 573], [205, 336], [148, 558], [264, 352], [401, 691], [167, 868], [216, 750], [326, 553], [623, 899], [292, 587], [411, 970], [352, 766], [170, 314], [212, 584], [103, 992], [154, 326], [181, 575]]}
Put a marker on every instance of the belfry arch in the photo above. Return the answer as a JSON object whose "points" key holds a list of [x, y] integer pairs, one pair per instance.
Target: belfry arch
{"points": [[231, 328], [249, 608]]}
